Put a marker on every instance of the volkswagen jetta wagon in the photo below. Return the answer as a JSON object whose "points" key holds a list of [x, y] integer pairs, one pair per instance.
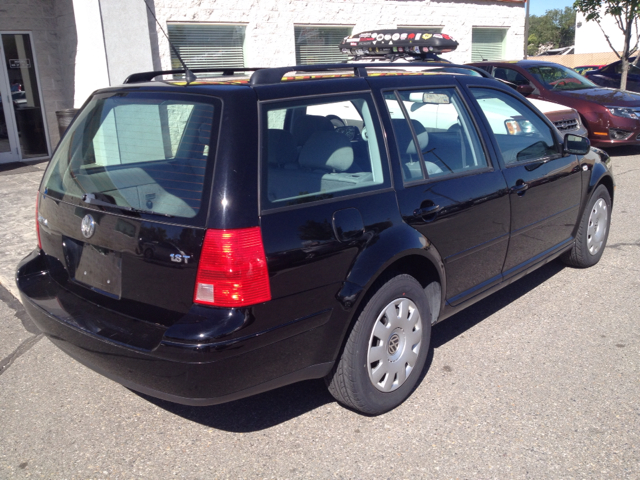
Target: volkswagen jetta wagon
{"points": [[205, 241]]}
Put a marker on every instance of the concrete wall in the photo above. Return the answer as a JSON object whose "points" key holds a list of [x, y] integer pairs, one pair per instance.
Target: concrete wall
{"points": [[270, 23], [51, 26], [126, 38], [590, 39]]}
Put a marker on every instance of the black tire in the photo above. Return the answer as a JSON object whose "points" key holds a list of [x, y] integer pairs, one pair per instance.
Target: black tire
{"points": [[351, 382], [593, 229]]}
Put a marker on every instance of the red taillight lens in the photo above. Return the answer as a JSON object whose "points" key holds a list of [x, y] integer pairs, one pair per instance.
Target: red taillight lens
{"points": [[38, 221], [232, 271]]}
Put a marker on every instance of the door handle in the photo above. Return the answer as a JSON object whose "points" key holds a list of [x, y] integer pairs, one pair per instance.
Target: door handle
{"points": [[426, 211], [519, 188]]}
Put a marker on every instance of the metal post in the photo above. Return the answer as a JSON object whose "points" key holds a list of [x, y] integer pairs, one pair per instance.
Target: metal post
{"points": [[526, 30]]}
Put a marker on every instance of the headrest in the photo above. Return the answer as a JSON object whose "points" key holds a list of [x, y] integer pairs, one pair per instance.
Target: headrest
{"points": [[281, 147], [306, 125], [327, 151], [405, 139]]}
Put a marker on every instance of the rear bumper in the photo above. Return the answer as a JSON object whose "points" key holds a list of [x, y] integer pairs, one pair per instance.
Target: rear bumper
{"points": [[140, 356]]}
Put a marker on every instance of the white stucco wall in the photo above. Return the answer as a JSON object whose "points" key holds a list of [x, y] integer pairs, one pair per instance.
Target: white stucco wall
{"points": [[91, 60], [590, 39], [126, 38], [270, 23]]}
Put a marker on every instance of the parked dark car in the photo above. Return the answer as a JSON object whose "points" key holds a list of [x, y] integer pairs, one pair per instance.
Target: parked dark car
{"points": [[583, 69], [611, 116], [308, 249], [611, 75]]}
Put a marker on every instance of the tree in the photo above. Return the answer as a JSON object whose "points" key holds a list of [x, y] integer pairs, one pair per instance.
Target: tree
{"points": [[625, 13], [556, 28]]}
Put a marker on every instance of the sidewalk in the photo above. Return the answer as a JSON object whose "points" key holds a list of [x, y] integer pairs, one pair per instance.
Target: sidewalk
{"points": [[18, 186]]}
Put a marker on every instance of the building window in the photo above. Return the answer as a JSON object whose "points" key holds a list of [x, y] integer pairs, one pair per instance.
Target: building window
{"points": [[488, 44], [207, 45], [319, 44]]}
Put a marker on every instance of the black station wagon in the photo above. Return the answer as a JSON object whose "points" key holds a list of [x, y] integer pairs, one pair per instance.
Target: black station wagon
{"points": [[201, 242]]}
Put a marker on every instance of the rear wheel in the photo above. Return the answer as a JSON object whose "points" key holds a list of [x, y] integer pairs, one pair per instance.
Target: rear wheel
{"points": [[593, 231], [386, 349]]}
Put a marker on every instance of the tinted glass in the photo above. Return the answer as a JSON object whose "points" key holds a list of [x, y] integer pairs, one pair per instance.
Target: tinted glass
{"points": [[510, 75], [136, 150], [558, 77], [448, 142], [521, 134], [319, 149]]}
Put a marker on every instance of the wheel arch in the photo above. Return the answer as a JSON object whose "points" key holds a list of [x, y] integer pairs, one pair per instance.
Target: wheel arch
{"points": [[413, 255]]}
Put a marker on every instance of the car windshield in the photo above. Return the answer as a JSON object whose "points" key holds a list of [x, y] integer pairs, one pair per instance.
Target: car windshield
{"points": [[557, 77]]}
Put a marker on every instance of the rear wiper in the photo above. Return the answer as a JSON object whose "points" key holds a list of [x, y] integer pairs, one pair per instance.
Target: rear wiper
{"points": [[91, 199]]}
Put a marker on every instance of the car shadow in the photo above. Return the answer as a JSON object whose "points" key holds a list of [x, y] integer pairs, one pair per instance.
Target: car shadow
{"points": [[623, 151], [283, 404]]}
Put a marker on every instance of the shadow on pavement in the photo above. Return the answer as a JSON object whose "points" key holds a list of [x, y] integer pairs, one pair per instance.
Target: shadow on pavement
{"points": [[623, 151], [278, 406]]}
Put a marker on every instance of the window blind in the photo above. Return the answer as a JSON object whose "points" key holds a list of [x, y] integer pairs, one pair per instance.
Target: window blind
{"points": [[487, 44], [319, 44], [206, 45]]}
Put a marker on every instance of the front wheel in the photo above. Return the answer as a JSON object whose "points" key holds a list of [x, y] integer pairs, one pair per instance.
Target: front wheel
{"points": [[386, 349], [593, 231]]}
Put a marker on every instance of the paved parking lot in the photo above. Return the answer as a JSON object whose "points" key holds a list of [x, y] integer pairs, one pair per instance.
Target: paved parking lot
{"points": [[541, 380]]}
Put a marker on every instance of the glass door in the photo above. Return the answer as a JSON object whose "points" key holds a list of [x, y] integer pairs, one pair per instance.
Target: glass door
{"points": [[23, 99], [8, 137]]}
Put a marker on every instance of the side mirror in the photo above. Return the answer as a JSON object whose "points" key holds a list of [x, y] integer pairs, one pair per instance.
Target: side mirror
{"points": [[576, 145], [525, 90]]}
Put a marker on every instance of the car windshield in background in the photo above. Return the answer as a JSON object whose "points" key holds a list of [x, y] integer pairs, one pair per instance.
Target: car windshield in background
{"points": [[137, 152], [557, 77]]}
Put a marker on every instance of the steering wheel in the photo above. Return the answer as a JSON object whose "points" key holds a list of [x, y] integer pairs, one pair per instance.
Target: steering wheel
{"points": [[559, 83], [336, 121]]}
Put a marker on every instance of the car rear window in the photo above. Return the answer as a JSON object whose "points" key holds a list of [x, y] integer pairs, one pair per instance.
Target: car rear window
{"points": [[140, 151]]}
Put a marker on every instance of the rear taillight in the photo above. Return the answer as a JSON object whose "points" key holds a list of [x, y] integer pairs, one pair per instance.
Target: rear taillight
{"points": [[232, 271], [38, 221]]}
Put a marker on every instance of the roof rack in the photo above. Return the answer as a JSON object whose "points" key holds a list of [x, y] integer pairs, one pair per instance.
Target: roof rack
{"points": [[148, 76], [269, 76]]}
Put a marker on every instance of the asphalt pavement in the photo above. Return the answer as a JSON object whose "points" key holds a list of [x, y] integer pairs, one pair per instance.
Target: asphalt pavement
{"points": [[540, 380]]}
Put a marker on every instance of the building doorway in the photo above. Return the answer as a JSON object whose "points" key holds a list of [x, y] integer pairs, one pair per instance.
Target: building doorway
{"points": [[23, 131]]}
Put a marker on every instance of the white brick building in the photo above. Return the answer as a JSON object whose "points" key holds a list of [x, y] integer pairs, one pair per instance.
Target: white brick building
{"points": [[65, 49]]}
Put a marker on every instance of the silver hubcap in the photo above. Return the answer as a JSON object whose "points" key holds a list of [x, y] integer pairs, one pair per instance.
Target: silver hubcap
{"points": [[394, 344], [597, 226]]}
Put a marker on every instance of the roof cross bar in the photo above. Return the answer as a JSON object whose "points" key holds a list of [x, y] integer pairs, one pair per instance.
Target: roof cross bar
{"points": [[148, 76]]}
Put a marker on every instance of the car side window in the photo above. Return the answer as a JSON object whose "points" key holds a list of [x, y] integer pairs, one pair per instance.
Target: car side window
{"points": [[316, 149], [521, 134], [510, 75], [437, 121]]}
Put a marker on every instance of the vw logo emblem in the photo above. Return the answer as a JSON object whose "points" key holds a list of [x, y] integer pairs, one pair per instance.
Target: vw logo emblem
{"points": [[88, 226]]}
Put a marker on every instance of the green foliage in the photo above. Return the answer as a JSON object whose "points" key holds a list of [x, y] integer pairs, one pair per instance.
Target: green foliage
{"points": [[593, 9], [556, 27]]}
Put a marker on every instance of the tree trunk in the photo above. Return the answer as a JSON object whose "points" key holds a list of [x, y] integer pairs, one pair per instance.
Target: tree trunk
{"points": [[625, 71]]}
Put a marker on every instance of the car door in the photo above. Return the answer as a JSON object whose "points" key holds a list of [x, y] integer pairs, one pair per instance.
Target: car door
{"points": [[449, 190], [325, 195], [544, 185]]}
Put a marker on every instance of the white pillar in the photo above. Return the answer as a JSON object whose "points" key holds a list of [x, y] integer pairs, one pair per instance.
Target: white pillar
{"points": [[91, 60]]}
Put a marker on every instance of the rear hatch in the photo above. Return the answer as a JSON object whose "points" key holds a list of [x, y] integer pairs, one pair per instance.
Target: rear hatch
{"points": [[123, 204]]}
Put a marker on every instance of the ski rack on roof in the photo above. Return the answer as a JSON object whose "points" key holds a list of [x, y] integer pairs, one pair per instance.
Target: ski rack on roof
{"points": [[271, 76], [149, 76]]}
